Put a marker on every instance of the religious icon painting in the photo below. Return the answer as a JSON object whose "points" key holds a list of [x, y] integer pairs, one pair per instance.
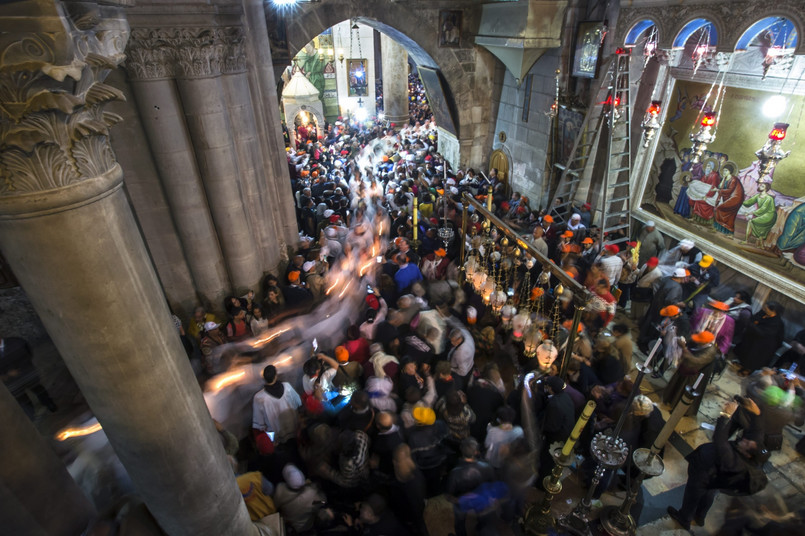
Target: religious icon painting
{"points": [[588, 46], [450, 28], [357, 78]]}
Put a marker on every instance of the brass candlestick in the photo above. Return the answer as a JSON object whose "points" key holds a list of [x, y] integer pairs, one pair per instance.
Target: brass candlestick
{"points": [[540, 521], [617, 520]]}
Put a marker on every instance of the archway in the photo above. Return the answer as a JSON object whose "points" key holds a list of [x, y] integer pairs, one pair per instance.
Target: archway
{"points": [[771, 32], [500, 161], [465, 72], [703, 27], [636, 33], [438, 88]]}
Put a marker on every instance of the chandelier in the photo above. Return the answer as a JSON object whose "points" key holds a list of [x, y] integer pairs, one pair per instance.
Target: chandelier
{"points": [[771, 153]]}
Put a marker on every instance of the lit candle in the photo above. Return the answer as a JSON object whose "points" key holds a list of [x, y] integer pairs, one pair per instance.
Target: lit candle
{"points": [[574, 435], [651, 354], [416, 218], [698, 380]]}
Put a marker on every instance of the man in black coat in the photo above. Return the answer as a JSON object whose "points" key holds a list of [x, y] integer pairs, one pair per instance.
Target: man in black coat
{"points": [[734, 466], [557, 419], [388, 438], [667, 292], [484, 399]]}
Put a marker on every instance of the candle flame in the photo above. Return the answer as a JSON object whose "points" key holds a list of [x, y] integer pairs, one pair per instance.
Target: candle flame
{"points": [[227, 379], [78, 432], [341, 295], [337, 281], [263, 340], [366, 267], [283, 361]]}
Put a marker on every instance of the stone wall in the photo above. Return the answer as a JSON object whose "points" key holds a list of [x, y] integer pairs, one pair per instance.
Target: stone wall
{"points": [[527, 142]]}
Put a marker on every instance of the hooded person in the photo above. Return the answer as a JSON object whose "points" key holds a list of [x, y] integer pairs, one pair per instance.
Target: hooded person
{"points": [[296, 498], [380, 392], [557, 418], [274, 408]]}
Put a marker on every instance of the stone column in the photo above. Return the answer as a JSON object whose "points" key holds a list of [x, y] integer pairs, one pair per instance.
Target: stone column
{"points": [[67, 231], [37, 494], [150, 73], [395, 80], [252, 166], [276, 188], [201, 55]]}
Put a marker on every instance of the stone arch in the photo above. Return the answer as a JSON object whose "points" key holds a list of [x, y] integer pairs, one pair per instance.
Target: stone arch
{"points": [[693, 25], [638, 29], [399, 22], [748, 34]]}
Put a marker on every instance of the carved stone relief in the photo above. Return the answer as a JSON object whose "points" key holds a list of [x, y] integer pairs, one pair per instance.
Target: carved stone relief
{"points": [[53, 126], [185, 52]]}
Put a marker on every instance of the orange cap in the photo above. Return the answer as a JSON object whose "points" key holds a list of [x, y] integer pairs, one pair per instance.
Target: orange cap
{"points": [[671, 310], [703, 337], [341, 354], [547, 218], [587, 240], [293, 276], [721, 306], [440, 252], [567, 234]]}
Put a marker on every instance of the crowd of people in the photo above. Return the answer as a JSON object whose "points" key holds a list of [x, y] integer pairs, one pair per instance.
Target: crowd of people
{"points": [[430, 392]]}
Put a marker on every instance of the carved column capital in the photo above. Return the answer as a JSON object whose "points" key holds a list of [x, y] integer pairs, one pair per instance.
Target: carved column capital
{"points": [[185, 52], [149, 55], [53, 127]]}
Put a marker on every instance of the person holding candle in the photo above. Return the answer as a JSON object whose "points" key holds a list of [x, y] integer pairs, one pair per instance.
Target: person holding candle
{"points": [[695, 369], [733, 466]]}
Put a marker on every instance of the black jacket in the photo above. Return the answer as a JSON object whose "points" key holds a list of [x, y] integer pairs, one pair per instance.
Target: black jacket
{"points": [[426, 445], [484, 399], [558, 418], [724, 467], [466, 476]]}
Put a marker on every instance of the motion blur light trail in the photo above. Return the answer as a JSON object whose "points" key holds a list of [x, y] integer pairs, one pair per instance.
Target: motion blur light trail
{"points": [[67, 433], [229, 394]]}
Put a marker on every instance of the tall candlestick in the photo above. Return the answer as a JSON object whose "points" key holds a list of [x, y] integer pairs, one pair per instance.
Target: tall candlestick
{"points": [[416, 218], [489, 198], [679, 410], [574, 435], [651, 354], [698, 380]]}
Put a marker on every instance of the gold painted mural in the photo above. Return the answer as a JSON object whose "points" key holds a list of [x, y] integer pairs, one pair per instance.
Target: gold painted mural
{"points": [[722, 198]]}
